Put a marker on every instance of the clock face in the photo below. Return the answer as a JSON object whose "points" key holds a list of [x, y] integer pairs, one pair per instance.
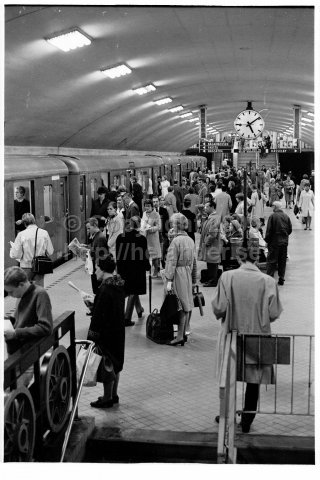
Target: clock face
{"points": [[249, 124]]}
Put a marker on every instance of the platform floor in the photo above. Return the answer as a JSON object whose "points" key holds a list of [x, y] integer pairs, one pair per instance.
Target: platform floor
{"points": [[174, 388]]}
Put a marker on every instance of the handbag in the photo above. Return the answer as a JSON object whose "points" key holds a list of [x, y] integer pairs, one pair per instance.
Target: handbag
{"points": [[90, 378], [169, 309], [198, 299], [41, 264], [296, 209], [157, 330]]}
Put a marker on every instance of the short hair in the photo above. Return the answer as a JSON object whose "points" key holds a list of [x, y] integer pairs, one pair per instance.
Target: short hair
{"points": [[240, 196], [148, 202], [102, 190], [212, 203], [155, 197], [127, 195], [21, 189], [255, 222], [123, 189], [191, 190], [179, 222], [305, 176], [170, 189], [133, 178], [28, 219], [14, 276], [112, 204], [107, 264], [93, 221], [186, 202], [224, 187], [135, 222]]}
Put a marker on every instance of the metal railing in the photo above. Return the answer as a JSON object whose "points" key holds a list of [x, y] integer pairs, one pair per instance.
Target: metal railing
{"points": [[291, 358]]}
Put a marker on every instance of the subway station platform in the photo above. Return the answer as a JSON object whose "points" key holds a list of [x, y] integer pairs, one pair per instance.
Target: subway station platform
{"points": [[174, 389]]}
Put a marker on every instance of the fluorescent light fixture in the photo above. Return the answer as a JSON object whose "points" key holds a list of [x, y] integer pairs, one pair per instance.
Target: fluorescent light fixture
{"points": [[69, 40], [305, 119], [187, 114], [162, 101], [310, 114], [193, 120], [115, 72], [145, 89], [175, 109]]}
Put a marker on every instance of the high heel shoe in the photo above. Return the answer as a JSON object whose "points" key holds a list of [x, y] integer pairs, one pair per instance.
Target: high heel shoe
{"points": [[141, 313], [174, 343]]}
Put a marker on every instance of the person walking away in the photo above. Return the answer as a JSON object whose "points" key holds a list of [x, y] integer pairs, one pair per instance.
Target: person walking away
{"points": [[132, 265], [246, 300], [178, 194], [107, 330], [21, 206], [99, 208], [164, 242], [150, 228], [114, 226], [98, 248], [223, 202], [137, 194], [279, 228], [210, 245], [181, 273], [171, 202], [190, 216], [24, 249], [131, 208], [306, 205]]}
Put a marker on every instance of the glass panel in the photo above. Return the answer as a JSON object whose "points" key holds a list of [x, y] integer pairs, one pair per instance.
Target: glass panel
{"points": [[105, 179], [82, 193], [47, 202], [93, 187]]}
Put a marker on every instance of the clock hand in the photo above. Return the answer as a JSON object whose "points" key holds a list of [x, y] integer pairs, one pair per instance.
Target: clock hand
{"points": [[258, 118], [249, 125]]}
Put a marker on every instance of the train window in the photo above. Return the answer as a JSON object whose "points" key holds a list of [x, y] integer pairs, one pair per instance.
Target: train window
{"points": [[116, 180], [47, 201], [82, 192], [93, 187], [105, 179]]}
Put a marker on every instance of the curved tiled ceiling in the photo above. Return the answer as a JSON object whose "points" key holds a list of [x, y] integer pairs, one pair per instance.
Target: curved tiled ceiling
{"points": [[220, 57]]}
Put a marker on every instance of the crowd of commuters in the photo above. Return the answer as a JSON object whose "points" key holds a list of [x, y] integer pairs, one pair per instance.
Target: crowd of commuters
{"points": [[131, 232]]}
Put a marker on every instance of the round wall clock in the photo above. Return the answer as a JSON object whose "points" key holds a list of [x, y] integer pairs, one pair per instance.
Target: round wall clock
{"points": [[249, 124]]}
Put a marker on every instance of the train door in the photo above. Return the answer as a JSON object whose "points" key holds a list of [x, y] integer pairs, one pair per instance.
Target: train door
{"points": [[60, 211]]}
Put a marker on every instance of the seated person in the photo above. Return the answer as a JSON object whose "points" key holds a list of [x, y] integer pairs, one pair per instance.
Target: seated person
{"points": [[255, 231]]}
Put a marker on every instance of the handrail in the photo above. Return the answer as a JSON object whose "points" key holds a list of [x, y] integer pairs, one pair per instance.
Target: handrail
{"points": [[75, 406]]}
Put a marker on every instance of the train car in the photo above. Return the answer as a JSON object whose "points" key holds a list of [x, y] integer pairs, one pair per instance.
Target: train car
{"points": [[46, 183], [61, 188]]}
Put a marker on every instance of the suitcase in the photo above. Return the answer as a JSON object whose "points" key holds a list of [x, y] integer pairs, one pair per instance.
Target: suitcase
{"points": [[157, 330]]}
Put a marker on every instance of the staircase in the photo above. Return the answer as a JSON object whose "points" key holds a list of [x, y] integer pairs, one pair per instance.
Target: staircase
{"points": [[269, 160], [244, 158]]}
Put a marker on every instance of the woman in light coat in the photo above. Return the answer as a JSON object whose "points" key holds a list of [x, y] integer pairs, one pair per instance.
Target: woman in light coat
{"points": [[150, 228], [114, 227], [258, 201], [306, 205], [181, 273]]}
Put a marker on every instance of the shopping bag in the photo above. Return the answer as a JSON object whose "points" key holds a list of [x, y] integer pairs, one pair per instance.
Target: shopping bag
{"points": [[157, 330], [90, 379]]}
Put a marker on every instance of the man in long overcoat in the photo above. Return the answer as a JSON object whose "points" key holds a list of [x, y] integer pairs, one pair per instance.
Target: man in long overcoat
{"points": [[247, 300], [210, 245]]}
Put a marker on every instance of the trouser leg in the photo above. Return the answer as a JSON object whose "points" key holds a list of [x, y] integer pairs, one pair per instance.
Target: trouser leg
{"points": [[282, 261], [250, 403], [182, 325], [272, 260]]}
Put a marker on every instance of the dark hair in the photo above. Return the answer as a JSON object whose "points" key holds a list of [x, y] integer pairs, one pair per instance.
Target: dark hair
{"points": [[148, 202], [212, 203], [93, 221], [170, 189], [186, 202], [191, 190], [224, 187], [135, 222], [21, 189], [107, 264], [102, 190], [112, 204]]}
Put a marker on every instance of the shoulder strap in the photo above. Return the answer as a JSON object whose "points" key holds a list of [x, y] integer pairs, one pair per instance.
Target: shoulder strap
{"points": [[35, 244]]}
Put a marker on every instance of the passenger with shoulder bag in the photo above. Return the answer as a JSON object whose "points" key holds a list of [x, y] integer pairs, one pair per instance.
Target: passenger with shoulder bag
{"points": [[41, 264]]}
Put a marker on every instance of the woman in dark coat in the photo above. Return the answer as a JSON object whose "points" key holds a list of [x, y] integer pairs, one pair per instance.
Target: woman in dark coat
{"points": [[107, 330], [132, 264]]}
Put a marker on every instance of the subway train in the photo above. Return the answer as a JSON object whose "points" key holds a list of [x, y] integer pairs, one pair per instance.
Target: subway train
{"points": [[61, 188]]}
